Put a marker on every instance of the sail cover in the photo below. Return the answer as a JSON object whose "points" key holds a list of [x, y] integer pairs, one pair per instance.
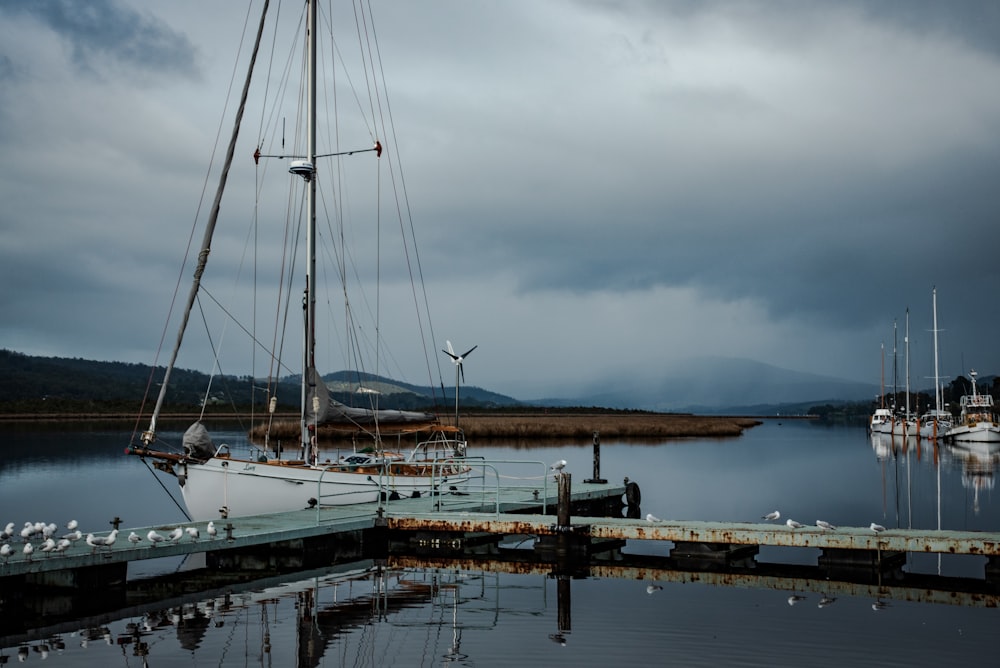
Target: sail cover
{"points": [[197, 442], [333, 412]]}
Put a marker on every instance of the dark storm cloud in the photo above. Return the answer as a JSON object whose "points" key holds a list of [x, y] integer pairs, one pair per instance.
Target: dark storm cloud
{"points": [[97, 29]]}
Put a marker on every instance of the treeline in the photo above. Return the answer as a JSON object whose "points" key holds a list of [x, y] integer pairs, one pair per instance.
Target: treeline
{"points": [[920, 402], [60, 385]]}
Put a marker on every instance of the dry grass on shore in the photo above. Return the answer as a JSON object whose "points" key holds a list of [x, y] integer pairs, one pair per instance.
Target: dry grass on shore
{"points": [[574, 427], [609, 426]]}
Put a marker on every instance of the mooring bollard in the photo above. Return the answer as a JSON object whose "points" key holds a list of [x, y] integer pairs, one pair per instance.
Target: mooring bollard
{"points": [[597, 479]]}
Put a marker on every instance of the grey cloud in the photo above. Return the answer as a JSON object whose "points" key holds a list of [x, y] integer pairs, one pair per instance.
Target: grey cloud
{"points": [[97, 29]]}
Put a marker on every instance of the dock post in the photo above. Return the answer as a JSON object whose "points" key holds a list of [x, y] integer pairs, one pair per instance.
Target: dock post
{"points": [[565, 499], [597, 479]]}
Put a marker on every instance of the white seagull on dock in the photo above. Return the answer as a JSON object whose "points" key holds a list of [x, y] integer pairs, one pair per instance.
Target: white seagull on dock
{"points": [[558, 466], [877, 528], [792, 524], [8, 530], [211, 530], [28, 549], [154, 537], [48, 545], [134, 538], [771, 516], [193, 532], [650, 517], [5, 551], [72, 525], [825, 525], [63, 545], [74, 536], [175, 535]]}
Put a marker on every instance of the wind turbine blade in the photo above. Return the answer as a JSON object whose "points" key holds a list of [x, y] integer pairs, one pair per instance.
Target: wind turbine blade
{"points": [[466, 353], [453, 356], [461, 370], [451, 351]]}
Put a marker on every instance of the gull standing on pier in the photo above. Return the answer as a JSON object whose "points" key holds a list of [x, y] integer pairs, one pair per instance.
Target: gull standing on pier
{"points": [[175, 535], [154, 537], [877, 528], [792, 524], [825, 525], [650, 517], [211, 530], [771, 516]]}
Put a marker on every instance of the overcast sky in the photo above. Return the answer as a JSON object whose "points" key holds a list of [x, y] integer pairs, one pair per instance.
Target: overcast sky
{"points": [[599, 188]]}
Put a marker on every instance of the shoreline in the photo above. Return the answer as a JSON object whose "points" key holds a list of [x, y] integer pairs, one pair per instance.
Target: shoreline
{"points": [[520, 426]]}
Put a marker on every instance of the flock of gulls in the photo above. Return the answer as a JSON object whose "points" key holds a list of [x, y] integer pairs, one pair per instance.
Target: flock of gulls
{"points": [[822, 524], [790, 523], [41, 537]]}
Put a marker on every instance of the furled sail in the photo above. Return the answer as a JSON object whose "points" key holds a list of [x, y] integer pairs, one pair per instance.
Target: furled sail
{"points": [[331, 411]]}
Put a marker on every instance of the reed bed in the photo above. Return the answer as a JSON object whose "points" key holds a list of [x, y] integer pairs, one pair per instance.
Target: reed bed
{"points": [[573, 427]]}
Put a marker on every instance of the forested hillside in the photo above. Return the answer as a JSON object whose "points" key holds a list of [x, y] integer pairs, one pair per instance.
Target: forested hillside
{"points": [[30, 384]]}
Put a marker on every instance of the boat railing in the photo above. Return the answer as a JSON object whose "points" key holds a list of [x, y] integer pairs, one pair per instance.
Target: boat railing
{"points": [[484, 481]]}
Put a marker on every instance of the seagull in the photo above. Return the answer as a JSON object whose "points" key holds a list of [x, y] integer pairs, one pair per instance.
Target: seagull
{"points": [[96, 541], [825, 525], [26, 532], [28, 549], [72, 525], [175, 535], [74, 536], [193, 532], [211, 530], [8, 530], [771, 516], [558, 466], [879, 605], [652, 589], [795, 598], [134, 538], [825, 601], [650, 517], [792, 524], [111, 538], [48, 545], [49, 530], [154, 537], [5, 551], [63, 545], [877, 528]]}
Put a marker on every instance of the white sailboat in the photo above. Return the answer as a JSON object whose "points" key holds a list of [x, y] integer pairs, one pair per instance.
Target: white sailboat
{"points": [[218, 481], [978, 421], [936, 422]]}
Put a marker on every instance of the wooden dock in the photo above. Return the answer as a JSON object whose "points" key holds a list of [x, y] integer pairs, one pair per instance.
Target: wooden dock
{"points": [[308, 537]]}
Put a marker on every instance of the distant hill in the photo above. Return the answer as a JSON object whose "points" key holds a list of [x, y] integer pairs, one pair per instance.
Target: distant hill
{"points": [[29, 383], [704, 385]]}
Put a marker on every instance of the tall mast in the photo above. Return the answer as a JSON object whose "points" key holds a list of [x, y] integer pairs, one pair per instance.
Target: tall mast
{"points": [[937, 379], [906, 345], [309, 347]]}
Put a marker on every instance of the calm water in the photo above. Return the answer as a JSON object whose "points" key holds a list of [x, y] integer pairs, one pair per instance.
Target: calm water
{"points": [[358, 615]]}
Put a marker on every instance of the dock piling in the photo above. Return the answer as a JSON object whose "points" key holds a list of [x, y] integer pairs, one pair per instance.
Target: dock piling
{"points": [[597, 479]]}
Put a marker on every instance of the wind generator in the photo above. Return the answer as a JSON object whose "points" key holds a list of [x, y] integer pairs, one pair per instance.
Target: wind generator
{"points": [[459, 371]]}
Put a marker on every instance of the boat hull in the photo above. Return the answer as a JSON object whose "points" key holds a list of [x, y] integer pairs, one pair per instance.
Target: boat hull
{"points": [[982, 432], [223, 487]]}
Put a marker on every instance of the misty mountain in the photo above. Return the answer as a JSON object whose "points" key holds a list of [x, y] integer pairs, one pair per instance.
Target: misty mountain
{"points": [[719, 384]]}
